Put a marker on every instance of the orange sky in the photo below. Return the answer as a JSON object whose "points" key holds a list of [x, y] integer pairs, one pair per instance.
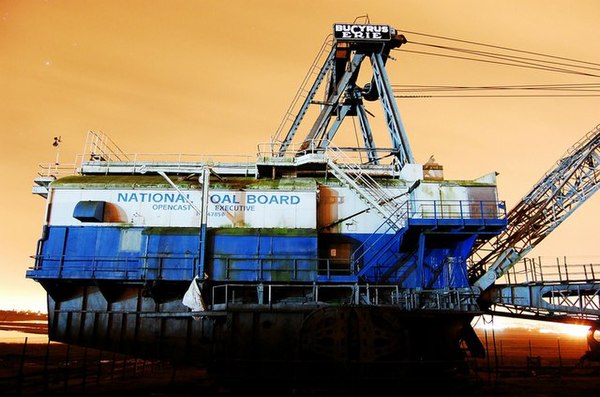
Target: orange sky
{"points": [[217, 76]]}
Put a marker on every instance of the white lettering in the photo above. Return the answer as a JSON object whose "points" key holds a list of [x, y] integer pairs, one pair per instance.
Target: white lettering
{"points": [[362, 32]]}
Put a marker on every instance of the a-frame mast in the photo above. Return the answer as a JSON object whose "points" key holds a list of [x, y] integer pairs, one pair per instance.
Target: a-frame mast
{"points": [[352, 44]]}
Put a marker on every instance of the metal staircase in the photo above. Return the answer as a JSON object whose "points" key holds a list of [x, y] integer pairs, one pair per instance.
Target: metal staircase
{"points": [[354, 176], [369, 191]]}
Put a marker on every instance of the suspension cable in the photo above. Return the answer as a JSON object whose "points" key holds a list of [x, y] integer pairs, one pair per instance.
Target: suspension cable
{"points": [[506, 57]]}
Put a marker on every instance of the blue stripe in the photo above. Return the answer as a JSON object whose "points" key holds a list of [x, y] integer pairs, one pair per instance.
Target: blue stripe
{"points": [[248, 255]]}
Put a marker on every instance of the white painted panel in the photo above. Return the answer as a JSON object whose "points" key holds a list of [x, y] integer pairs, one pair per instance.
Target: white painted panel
{"points": [[270, 209], [343, 211], [454, 202], [423, 200], [145, 207]]}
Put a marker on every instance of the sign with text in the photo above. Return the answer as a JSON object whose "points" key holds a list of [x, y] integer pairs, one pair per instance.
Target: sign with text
{"points": [[360, 32]]}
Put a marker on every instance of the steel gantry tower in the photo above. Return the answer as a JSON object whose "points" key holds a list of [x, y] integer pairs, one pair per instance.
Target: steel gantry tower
{"points": [[339, 62]]}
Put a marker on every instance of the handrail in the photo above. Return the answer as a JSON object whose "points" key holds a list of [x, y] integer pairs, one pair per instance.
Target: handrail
{"points": [[353, 175], [55, 170], [455, 209], [436, 210], [462, 299], [545, 270], [99, 145], [145, 265], [270, 151], [178, 160]]}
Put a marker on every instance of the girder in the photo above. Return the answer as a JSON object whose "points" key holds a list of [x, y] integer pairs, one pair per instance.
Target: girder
{"points": [[547, 290], [365, 128], [319, 127], [569, 300], [307, 97], [392, 114]]}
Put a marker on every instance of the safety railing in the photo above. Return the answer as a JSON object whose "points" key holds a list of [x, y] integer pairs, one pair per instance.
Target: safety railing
{"points": [[171, 163], [183, 159], [356, 172], [455, 209], [553, 270], [270, 291], [141, 161], [144, 267], [183, 267], [459, 212], [224, 295], [102, 152], [98, 145], [269, 151], [55, 170], [293, 269]]}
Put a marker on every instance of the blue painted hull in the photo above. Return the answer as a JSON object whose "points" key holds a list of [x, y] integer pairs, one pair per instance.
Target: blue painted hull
{"points": [[248, 255]]}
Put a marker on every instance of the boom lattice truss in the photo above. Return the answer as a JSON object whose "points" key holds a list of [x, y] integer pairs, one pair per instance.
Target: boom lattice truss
{"points": [[573, 180]]}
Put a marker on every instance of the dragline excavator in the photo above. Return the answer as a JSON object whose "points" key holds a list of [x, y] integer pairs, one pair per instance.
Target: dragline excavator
{"points": [[346, 259]]}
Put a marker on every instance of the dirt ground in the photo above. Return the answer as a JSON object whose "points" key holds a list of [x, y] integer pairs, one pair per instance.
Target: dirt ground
{"points": [[518, 363]]}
